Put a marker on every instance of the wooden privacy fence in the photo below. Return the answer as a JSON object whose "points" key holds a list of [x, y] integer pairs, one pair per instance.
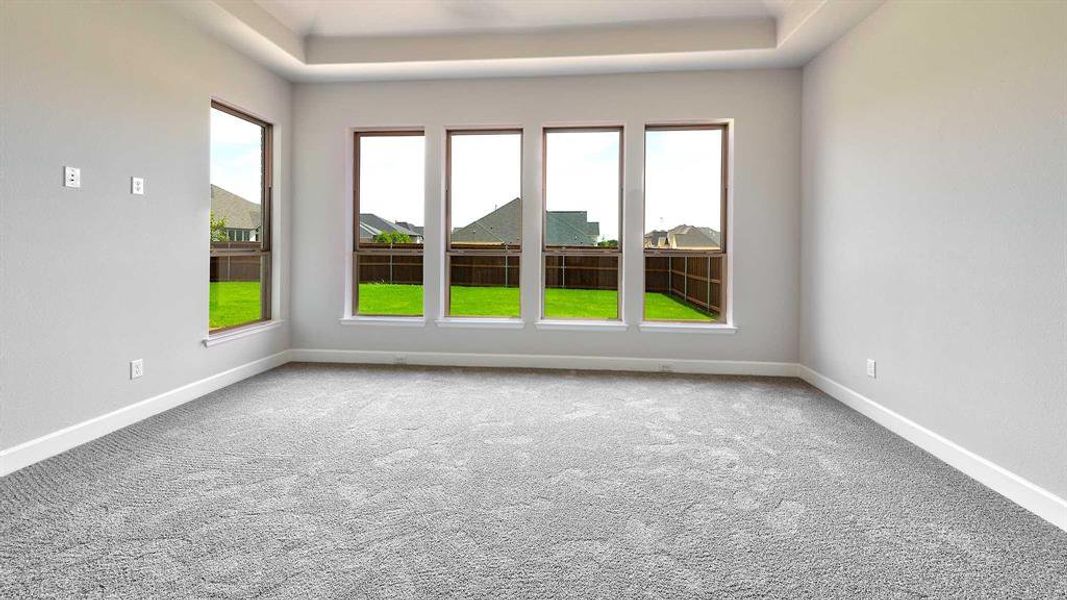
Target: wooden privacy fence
{"points": [[582, 271], [694, 279], [484, 270], [232, 261], [380, 267]]}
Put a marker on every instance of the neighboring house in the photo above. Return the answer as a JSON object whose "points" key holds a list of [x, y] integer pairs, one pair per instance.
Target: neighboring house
{"points": [[371, 225], [503, 226], [243, 217], [416, 228], [684, 236]]}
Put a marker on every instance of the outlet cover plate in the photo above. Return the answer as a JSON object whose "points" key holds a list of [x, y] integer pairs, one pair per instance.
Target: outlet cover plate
{"points": [[72, 177]]}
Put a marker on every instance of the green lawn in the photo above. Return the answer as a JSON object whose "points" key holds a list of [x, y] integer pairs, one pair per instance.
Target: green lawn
{"points": [[393, 299], [232, 303]]}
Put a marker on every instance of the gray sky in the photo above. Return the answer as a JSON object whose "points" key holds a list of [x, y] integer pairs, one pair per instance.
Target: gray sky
{"points": [[682, 174], [236, 155]]}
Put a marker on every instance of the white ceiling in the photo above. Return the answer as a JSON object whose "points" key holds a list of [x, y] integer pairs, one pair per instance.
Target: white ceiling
{"points": [[359, 18], [377, 40]]}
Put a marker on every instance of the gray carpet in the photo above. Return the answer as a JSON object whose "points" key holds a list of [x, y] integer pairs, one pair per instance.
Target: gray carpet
{"points": [[318, 481]]}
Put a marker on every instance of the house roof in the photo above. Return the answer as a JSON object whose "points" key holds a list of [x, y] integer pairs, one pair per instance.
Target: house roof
{"points": [[371, 225], [502, 226], [570, 228], [691, 236], [238, 212]]}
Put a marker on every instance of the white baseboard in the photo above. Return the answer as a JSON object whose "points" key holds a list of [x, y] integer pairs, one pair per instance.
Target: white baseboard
{"points": [[1023, 492], [35, 450], [546, 361]]}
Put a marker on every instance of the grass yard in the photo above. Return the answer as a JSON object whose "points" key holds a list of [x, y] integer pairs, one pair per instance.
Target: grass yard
{"points": [[232, 303], [394, 299], [236, 302]]}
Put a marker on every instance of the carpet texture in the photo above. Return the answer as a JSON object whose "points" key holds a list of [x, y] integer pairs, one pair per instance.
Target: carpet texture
{"points": [[319, 481]]}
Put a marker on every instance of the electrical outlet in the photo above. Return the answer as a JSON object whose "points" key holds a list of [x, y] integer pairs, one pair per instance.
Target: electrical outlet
{"points": [[137, 186], [72, 177], [872, 368], [136, 368]]}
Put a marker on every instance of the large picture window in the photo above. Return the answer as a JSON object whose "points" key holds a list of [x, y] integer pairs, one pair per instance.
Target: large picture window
{"points": [[685, 217], [582, 222], [239, 285], [483, 223], [389, 200]]}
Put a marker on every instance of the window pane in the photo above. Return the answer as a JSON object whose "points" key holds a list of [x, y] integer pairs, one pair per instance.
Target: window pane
{"points": [[391, 189], [389, 284], [582, 177], [581, 287], [582, 201], [484, 286], [485, 213], [485, 185], [391, 199], [683, 189], [238, 265], [236, 292]]}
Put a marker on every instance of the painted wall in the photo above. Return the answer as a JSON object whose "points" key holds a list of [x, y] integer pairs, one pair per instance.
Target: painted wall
{"points": [[935, 191], [765, 106], [95, 277]]}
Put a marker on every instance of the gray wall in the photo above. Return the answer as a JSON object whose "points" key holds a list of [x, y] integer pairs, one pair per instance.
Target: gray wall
{"points": [[766, 108], [933, 228], [95, 277]]}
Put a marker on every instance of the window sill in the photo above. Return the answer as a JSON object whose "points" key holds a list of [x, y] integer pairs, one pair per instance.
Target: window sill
{"points": [[235, 334], [580, 325], [712, 328], [387, 321], [480, 323]]}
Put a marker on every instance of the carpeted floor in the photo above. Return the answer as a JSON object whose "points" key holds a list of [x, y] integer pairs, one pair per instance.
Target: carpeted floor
{"points": [[318, 481]]}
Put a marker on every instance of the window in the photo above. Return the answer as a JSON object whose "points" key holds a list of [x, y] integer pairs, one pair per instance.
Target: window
{"points": [[685, 216], [484, 223], [583, 209], [240, 268], [389, 200]]}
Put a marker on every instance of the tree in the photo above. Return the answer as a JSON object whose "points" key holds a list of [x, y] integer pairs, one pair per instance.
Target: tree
{"points": [[392, 237], [218, 229], [608, 243]]}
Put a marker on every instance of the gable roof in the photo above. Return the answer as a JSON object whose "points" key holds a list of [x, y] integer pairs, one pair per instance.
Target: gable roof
{"points": [[238, 212], [371, 225], [570, 228], [502, 226], [691, 236]]}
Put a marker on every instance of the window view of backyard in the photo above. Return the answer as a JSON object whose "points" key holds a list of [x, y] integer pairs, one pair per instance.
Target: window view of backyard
{"points": [[683, 235], [485, 223], [583, 176], [240, 257], [581, 224], [390, 200]]}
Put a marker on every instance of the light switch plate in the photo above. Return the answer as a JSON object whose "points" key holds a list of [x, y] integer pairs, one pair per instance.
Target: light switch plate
{"points": [[137, 186], [72, 177]]}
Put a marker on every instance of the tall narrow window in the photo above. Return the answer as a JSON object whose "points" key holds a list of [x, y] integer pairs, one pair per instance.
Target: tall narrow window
{"points": [[583, 208], [484, 223], [240, 219], [685, 216], [388, 229]]}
